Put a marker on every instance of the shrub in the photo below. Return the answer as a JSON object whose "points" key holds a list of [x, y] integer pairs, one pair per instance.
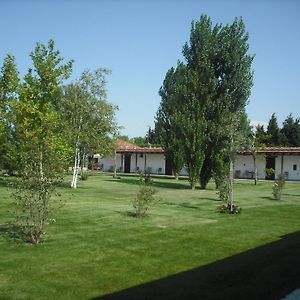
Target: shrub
{"points": [[144, 197], [226, 208], [84, 176], [278, 187]]}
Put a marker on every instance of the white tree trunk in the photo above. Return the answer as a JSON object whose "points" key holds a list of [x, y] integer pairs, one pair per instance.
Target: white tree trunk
{"points": [[76, 167]]}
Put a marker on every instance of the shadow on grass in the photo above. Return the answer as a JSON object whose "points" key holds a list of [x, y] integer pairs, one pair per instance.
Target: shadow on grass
{"points": [[268, 198], [267, 272], [291, 195], [156, 183], [127, 213], [12, 232], [183, 204]]}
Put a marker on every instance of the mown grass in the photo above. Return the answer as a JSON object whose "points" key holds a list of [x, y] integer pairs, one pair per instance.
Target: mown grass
{"points": [[97, 247]]}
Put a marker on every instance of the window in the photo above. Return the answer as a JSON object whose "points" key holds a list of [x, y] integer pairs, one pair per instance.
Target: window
{"points": [[141, 155], [294, 167]]}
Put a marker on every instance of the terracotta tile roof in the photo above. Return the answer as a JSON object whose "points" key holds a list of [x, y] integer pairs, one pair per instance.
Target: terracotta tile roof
{"points": [[126, 147], [277, 150], [280, 150]]}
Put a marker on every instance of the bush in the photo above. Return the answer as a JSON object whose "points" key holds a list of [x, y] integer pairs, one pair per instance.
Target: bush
{"points": [[144, 197], [225, 208], [278, 187], [84, 176]]}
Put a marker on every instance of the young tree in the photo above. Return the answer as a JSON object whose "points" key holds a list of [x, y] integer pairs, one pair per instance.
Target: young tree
{"points": [[42, 151], [88, 118]]}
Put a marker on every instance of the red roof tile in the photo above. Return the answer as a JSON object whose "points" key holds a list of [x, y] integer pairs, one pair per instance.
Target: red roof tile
{"points": [[126, 147]]}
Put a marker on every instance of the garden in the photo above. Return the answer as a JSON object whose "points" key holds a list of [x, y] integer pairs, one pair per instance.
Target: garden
{"points": [[96, 246]]}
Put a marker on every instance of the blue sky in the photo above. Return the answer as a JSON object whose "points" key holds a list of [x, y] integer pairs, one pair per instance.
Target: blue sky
{"points": [[140, 40]]}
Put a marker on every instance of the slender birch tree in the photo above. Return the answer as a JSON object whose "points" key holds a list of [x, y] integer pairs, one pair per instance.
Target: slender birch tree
{"points": [[88, 118]]}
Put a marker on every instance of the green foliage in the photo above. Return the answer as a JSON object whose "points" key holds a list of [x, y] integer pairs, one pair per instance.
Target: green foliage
{"points": [[84, 176], [288, 135], [9, 87], [144, 197], [203, 101], [273, 131], [227, 208], [290, 132], [41, 150], [269, 172], [278, 187], [35, 205], [88, 119]]}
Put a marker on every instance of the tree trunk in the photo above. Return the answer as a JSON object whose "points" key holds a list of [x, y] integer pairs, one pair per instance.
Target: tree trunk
{"points": [[230, 187], [115, 164], [255, 168], [76, 167]]}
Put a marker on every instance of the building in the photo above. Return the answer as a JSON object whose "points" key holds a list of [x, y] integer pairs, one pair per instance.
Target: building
{"points": [[270, 162], [130, 158], [283, 160]]}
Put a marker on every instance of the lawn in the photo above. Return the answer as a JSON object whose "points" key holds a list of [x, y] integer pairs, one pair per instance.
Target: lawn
{"points": [[96, 247]]}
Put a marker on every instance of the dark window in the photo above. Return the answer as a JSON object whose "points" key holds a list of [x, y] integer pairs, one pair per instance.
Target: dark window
{"points": [[294, 167], [141, 155]]}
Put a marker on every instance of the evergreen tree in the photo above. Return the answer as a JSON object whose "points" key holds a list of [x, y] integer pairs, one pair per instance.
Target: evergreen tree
{"points": [[273, 131], [290, 132]]}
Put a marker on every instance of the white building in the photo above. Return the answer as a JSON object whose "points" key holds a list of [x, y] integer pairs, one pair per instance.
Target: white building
{"points": [[283, 160], [130, 158]]}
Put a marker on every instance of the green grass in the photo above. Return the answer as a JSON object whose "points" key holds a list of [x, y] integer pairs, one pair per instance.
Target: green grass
{"points": [[96, 247]]}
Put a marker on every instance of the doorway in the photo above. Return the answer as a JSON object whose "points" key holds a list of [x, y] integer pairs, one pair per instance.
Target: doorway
{"points": [[270, 165], [127, 161]]}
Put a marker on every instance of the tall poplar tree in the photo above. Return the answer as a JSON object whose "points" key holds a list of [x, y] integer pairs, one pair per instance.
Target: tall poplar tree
{"points": [[218, 80], [9, 85]]}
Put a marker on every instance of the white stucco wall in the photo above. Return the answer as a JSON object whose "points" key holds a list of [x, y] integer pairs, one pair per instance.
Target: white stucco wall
{"points": [[155, 163], [244, 165], [108, 162], [288, 162]]}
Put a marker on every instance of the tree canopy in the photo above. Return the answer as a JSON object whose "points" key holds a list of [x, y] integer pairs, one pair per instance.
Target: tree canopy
{"points": [[203, 99]]}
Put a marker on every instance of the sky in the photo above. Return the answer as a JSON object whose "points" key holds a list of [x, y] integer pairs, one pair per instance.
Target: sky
{"points": [[140, 40]]}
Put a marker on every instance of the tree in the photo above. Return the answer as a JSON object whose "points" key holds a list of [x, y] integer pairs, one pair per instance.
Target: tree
{"points": [[290, 132], [88, 118], [262, 139], [273, 131], [199, 98], [42, 151], [9, 85], [166, 125]]}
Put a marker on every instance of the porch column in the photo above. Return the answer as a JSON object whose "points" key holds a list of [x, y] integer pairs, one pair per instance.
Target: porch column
{"points": [[145, 165], [122, 163], [136, 159]]}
